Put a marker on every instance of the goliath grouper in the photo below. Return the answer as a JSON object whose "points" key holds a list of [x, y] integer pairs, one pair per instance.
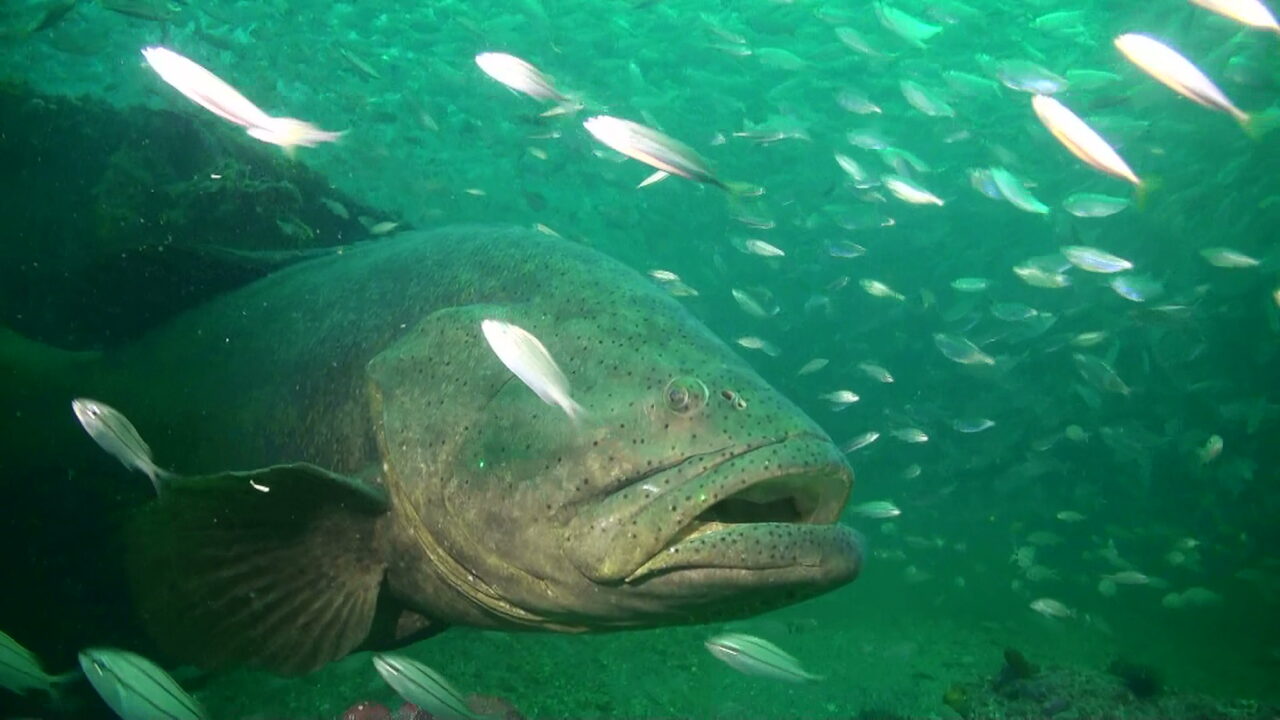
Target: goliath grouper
{"points": [[358, 464]]}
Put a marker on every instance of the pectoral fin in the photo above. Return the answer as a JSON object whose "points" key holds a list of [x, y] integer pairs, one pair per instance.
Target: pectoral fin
{"points": [[277, 568]]}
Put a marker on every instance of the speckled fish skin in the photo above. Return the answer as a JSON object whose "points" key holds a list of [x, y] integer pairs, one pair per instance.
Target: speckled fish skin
{"points": [[371, 364]]}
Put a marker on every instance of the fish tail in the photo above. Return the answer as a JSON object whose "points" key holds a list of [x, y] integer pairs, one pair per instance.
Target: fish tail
{"points": [[60, 698], [1258, 125], [575, 411], [1143, 190], [159, 477], [737, 188], [67, 677]]}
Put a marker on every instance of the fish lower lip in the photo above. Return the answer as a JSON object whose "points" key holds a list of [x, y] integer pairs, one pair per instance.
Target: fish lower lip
{"points": [[781, 521], [833, 550], [795, 481]]}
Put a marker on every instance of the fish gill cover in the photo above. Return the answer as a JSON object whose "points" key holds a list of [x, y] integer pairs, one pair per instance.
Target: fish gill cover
{"points": [[1056, 385]]}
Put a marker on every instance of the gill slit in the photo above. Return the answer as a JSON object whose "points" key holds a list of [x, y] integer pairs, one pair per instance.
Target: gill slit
{"points": [[462, 580]]}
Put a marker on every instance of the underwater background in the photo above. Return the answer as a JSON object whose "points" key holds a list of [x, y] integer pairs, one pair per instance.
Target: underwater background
{"points": [[1117, 455]]}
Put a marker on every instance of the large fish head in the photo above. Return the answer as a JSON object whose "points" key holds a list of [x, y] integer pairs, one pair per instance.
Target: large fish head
{"points": [[689, 490]]}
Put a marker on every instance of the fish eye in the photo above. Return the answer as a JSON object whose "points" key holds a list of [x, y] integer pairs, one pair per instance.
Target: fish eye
{"points": [[685, 395]]}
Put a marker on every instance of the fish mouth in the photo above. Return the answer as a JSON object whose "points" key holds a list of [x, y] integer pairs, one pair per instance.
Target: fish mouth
{"points": [[766, 506]]}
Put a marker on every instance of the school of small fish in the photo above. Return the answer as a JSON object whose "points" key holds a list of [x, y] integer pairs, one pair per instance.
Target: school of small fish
{"points": [[1004, 379]]}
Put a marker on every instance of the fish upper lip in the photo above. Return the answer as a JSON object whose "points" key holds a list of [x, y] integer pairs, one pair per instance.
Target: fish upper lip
{"points": [[820, 492], [804, 490]]}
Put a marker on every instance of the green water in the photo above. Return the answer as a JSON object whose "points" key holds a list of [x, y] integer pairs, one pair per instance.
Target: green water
{"points": [[754, 87]]}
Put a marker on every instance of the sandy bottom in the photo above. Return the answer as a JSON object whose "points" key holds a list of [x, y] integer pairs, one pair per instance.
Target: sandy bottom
{"points": [[885, 650]]}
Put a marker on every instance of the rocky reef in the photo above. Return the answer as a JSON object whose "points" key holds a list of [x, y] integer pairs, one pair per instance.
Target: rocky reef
{"points": [[135, 207], [1125, 689]]}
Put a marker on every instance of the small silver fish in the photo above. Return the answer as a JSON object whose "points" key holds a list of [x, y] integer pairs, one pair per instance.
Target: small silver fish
{"points": [[1081, 140], [908, 27], [212, 93], [1224, 257], [924, 100], [762, 248], [960, 350], [1247, 12], [853, 100], [875, 372], [519, 75], [876, 509], [1028, 77], [1099, 374], [970, 284], [422, 686], [114, 433], [1128, 577], [754, 656], [973, 424], [1093, 260], [878, 289], [1039, 277], [1089, 338], [860, 441], [136, 688], [812, 366], [1136, 288], [1013, 311], [1016, 192], [860, 176], [753, 305], [1051, 608], [527, 358], [909, 192], [652, 148], [1093, 205], [845, 249], [911, 435], [1211, 450], [840, 399], [752, 342], [1178, 73]]}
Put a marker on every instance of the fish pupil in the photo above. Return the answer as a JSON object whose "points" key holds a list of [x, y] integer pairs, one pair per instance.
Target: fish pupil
{"points": [[678, 398]]}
